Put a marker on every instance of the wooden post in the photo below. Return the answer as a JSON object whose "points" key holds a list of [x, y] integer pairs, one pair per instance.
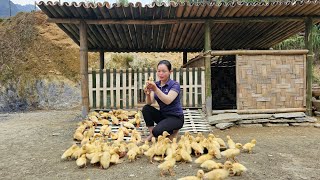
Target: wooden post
{"points": [[310, 57], [84, 68], [101, 59], [207, 58], [185, 57]]}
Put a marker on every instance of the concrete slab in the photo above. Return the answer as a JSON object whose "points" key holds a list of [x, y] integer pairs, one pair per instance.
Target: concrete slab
{"points": [[289, 115], [223, 118]]}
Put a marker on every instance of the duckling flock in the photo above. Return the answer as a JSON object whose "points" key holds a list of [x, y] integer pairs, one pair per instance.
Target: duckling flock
{"points": [[106, 148]]}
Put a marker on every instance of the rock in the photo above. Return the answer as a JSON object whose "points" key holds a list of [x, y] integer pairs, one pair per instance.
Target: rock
{"points": [[302, 124], [250, 125], [287, 120], [223, 118], [223, 126], [42, 94], [253, 121], [289, 115], [311, 119], [255, 116], [275, 124], [317, 125]]}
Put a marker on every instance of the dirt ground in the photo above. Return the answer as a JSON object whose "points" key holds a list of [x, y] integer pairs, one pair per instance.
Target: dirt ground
{"points": [[32, 143]]}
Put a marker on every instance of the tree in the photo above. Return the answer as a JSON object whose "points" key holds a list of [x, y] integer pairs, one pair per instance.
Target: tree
{"points": [[123, 2]]}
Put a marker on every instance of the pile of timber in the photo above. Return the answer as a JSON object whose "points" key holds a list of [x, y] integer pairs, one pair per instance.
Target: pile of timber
{"points": [[226, 120], [316, 99]]}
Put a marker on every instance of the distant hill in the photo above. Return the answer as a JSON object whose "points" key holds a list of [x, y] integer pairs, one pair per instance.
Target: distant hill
{"points": [[15, 8]]}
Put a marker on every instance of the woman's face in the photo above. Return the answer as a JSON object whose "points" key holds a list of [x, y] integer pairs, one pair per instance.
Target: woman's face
{"points": [[163, 72]]}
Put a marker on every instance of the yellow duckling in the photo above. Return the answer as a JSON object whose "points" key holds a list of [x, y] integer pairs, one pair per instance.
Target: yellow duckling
{"points": [[137, 122], [249, 146], [105, 160], [77, 154], [185, 155], [219, 174], [168, 165], [210, 165], [198, 149], [232, 153], [205, 157], [231, 143], [78, 136], [237, 169], [114, 120], [128, 125], [145, 146], [115, 155], [82, 161], [68, 153], [199, 176]]}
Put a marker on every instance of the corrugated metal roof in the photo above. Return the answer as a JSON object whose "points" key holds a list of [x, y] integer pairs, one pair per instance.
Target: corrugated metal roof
{"points": [[184, 35]]}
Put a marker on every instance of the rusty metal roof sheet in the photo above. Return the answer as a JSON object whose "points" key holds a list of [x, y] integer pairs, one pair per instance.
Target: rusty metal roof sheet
{"points": [[187, 33]]}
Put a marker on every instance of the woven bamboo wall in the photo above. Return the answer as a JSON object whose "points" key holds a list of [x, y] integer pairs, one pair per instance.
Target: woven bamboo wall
{"points": [[271, 81]]}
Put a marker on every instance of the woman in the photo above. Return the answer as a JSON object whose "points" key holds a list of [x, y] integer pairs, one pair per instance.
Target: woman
{"points": [[167, 93]]}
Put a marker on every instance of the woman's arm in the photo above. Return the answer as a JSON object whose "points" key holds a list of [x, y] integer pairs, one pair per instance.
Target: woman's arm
{"points": [[166, 98], [149, 96]]}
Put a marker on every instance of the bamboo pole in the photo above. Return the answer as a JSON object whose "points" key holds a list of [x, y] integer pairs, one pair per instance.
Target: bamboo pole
{"points": [[261, 111], [310, 57], [84, 68], [207, 47], [259, 52], [179, 21]]}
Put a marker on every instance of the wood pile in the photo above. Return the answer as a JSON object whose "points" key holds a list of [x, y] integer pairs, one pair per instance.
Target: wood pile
{"points": [[316, 99]]}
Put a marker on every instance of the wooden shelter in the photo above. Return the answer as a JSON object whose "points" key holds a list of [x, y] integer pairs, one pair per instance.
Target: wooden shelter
{"points": [[182, 27]]}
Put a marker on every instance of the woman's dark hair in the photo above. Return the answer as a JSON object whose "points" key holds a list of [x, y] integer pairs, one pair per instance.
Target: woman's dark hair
{"points": [[165, 62]]}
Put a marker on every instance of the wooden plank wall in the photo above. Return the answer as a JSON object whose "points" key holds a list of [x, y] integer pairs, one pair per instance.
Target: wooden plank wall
{"points": [[271, 81], [111, 88]]}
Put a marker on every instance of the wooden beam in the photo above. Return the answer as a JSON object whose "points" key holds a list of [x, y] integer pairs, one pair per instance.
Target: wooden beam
{"points": [[207, 59], [310, 58], [259, 52], [262, 111], [101, 59], [145, 50], [185, 57], [84, 68], [179, 21]]}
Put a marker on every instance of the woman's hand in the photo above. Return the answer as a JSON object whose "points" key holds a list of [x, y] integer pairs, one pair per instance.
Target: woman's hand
{"points": [[146, 91], [151, 86]]}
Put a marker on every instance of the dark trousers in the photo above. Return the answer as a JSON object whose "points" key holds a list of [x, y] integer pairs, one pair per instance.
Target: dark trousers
{"points": [[167, 123]]}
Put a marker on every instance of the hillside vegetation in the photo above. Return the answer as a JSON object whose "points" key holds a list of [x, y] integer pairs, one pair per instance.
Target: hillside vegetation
{"points": [[32, 48]]}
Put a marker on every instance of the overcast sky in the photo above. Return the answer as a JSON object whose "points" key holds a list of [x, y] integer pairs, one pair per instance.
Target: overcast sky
{"points": [[24, 2]]}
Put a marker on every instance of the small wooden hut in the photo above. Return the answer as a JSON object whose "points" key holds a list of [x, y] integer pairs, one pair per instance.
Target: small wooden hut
{"points": [[208, 27]]}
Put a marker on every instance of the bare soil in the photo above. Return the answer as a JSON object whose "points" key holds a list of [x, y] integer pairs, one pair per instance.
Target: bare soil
{"points": [[32, 143]]}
